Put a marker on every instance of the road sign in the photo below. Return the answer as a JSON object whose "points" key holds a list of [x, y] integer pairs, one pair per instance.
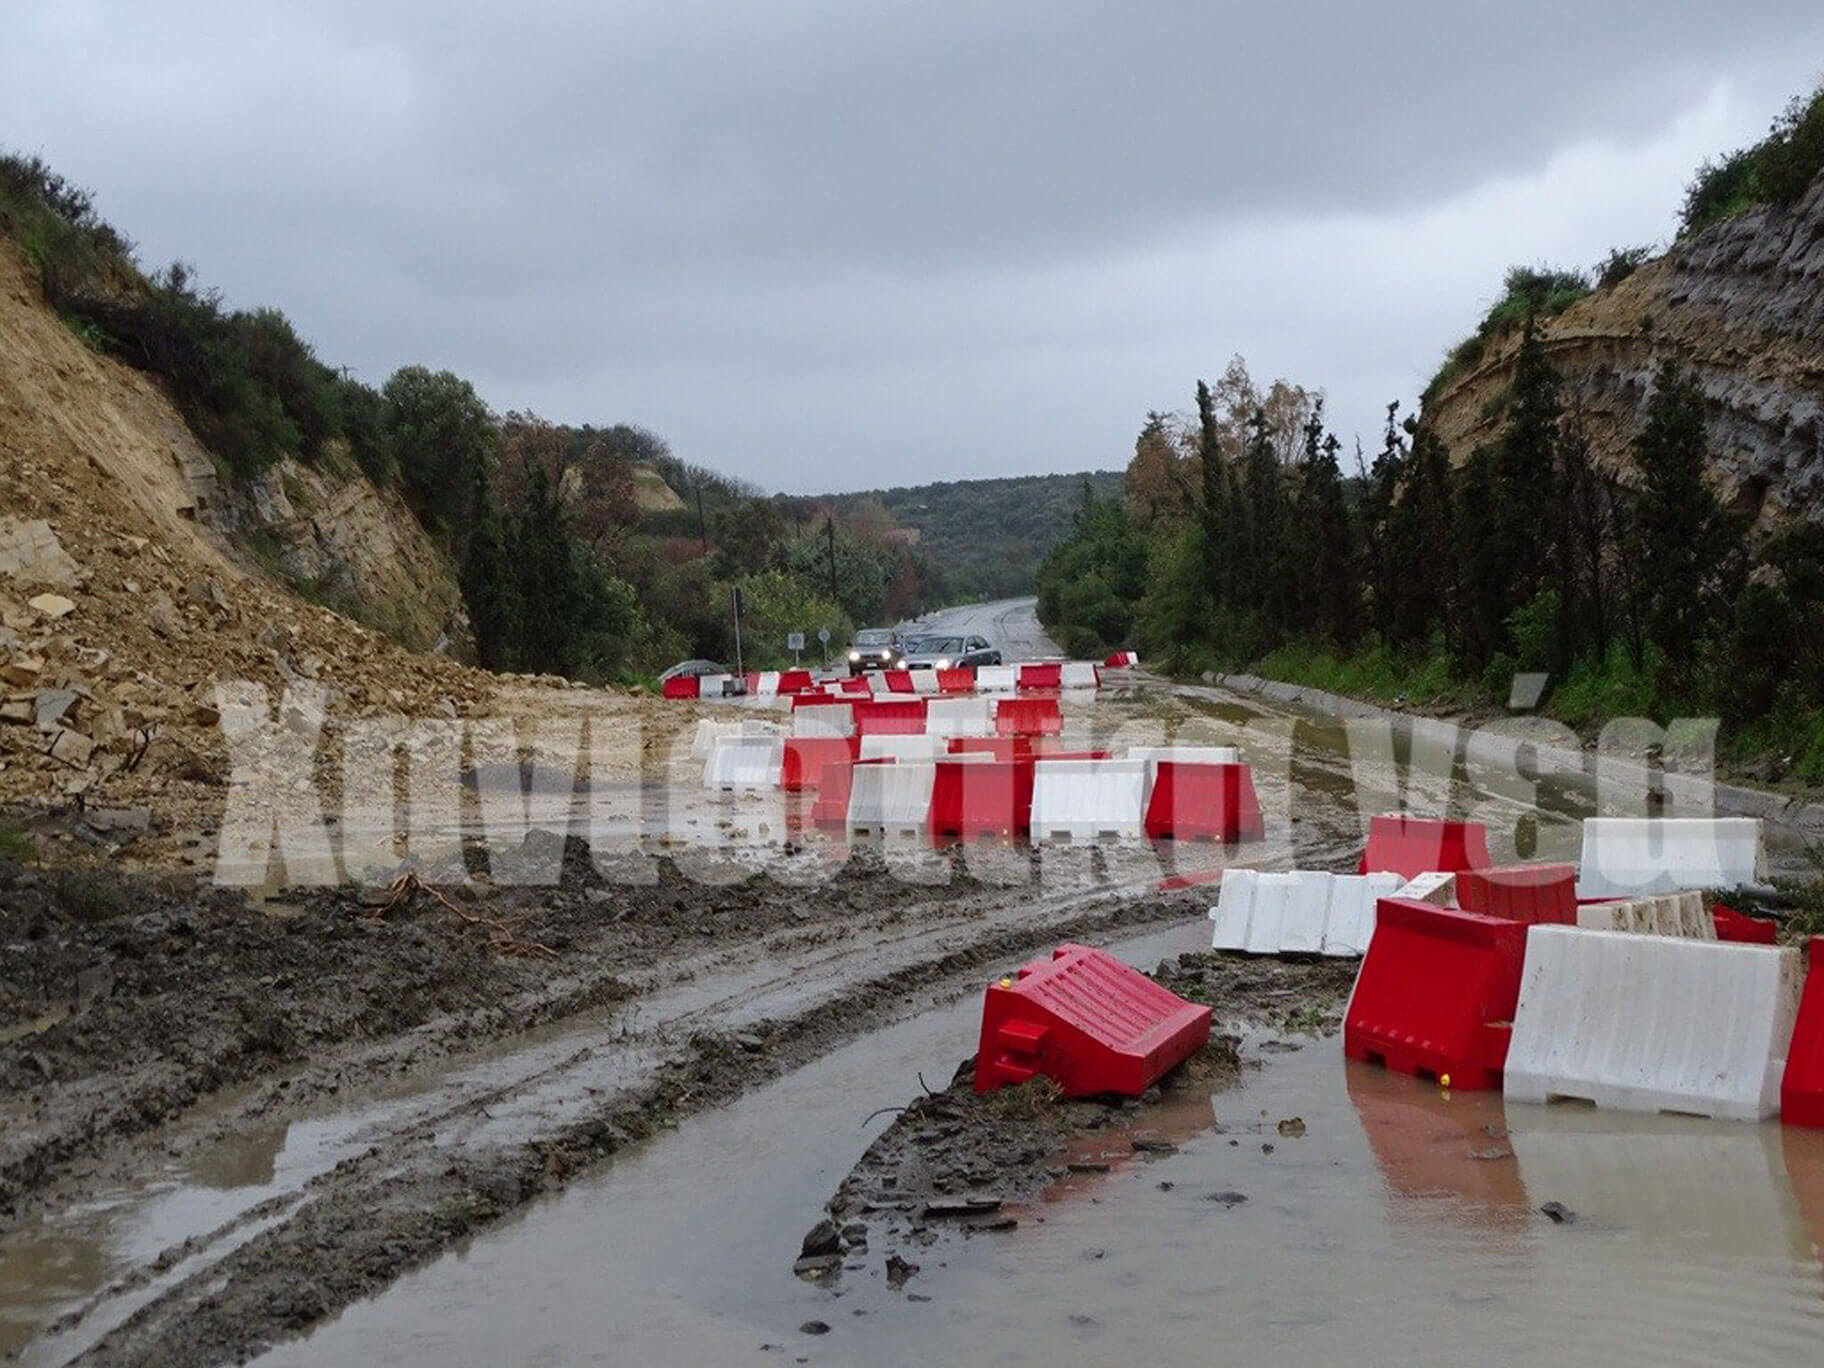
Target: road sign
{"points": [[823, 635], [794, 641]]}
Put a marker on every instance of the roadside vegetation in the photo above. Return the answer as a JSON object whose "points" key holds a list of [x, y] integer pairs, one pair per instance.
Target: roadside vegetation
{"points": [[592, 552], [1243, 541]]}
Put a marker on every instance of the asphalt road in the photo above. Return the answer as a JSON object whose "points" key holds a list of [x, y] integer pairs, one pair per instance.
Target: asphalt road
{"points": [[1011, 625]]}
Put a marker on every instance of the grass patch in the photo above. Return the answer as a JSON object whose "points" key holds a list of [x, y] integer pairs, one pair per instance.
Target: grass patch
{"points": [[1374, 673], [15, 844]]}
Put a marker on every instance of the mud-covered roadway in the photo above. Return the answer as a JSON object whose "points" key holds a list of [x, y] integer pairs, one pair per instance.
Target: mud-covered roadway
{"points": [[488, 1042]]}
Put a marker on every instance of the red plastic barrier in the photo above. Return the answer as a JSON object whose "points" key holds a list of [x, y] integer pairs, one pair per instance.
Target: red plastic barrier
{"points": [[836, 783], [796, 681], [1028, 717], [1090, 1022], [682, 686], [856, 684], [814, 698], [981, 798], [807, 758], [957, 681], [1802, 1090], [1410, 846], [1529, 893], [1051, 748], [1436, 993], [1121, 660], [1743, 929], [1036, 677], [1198, 802], [899, 681], [889, 717]]}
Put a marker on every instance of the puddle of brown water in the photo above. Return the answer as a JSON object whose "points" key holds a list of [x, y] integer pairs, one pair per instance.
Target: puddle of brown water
{"points": [[1402, 1227]]}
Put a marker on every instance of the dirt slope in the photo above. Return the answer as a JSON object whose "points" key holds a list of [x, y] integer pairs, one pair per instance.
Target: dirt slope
{"points": [[1742, 303], [125, 596]]}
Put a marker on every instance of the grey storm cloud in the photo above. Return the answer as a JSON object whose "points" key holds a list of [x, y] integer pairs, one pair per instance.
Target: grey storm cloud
{"points": [[841, 244]]}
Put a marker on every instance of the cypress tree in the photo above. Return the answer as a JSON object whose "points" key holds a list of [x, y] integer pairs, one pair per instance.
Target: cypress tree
{"points": [[486, 584], [1212, 512]]}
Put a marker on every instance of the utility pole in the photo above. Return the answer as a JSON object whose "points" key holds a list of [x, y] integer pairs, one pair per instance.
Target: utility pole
{"points": [[702, 526], [735, 594], [829, 536]]}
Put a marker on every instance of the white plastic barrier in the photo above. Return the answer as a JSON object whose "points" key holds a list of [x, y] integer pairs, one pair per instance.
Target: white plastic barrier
{"points": [[1670, 914], [1628, 857], [1078, 674], [766, 684], [997, 678], [1435, 886], [823, 719], [893, 746], [967, 716], [1302, 911], [877, 682], [1088, 799], [1651, 1023], [891, 801], [924, 682], [713, 685], [741, 762], [709, 732]]}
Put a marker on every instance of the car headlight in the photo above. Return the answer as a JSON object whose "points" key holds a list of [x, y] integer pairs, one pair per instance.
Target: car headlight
{"points": [[943, 664], [854, 655]]}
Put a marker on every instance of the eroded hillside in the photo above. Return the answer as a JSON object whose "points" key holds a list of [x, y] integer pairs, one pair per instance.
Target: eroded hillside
{"points": [[1742, 304]]}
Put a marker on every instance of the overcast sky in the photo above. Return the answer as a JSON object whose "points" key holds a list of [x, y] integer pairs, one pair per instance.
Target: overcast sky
{"points": [[839, 245]]}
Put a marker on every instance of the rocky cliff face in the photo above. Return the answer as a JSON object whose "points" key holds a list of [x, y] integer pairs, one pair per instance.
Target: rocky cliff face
{"points": [[1741, 304]]}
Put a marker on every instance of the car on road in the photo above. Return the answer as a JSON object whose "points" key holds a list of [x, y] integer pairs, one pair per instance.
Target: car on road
{"points": [[947, 652], [693, 669], [874, 648]]}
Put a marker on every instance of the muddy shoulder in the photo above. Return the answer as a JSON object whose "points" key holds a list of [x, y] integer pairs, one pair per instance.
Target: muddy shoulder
{"points": [[955, 1164]]}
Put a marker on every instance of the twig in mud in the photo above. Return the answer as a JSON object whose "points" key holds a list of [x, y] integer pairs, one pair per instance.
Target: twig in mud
{"points": [[878, 1111], [929, 1091], [502, 935]]}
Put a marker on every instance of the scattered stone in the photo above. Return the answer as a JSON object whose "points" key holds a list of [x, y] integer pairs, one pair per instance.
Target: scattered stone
{"points": [[1491, 1153], [821, 1269], [53, 708], [1228, 1199], [973, 1206], [1560, 1214], [31, 554], [18, 711], [120, 821], [823, 1238], [1292, 1127], [71, 748], [93, 984], [52, 606], [814, 1327], [1087, 1168], [22, 669], [1150, 1146], [750, 1042]]}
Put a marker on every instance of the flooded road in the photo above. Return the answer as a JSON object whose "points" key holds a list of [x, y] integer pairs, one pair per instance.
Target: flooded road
{"points": [[1403, 1226]]}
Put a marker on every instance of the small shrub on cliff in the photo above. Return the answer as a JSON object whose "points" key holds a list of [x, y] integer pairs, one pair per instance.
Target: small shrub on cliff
{"points": [[1776, 170]]}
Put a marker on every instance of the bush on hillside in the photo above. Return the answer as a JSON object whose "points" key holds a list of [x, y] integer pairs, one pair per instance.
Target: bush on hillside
{"points": [[1776, 170]]}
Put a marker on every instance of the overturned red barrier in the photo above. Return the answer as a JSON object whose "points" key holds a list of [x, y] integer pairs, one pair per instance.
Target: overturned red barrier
{"points": [[1436, 993], [1028, 717], [1802, 1088], [1121, 660], [988, 798], [1087, 1021], [855, 684], [1045, 676], [1743, 929], [681, 686], [796, 681], [890, 717], [960, 680], [808, 757], [1198, 802], [1529, 893], [1410, 846]]}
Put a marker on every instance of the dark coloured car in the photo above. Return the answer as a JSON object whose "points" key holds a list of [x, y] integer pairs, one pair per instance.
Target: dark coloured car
{"points": [[874, 648]]}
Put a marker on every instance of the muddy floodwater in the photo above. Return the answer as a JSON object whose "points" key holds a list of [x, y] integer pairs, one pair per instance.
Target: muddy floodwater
{"points": [[1402, 1226]]}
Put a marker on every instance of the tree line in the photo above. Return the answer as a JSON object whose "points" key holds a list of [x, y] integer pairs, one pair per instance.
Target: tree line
{"points": [[1241, 539], [562, 568]]}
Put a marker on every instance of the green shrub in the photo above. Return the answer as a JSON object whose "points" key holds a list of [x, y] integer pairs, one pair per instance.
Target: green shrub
{"points": [[1776, 170]]}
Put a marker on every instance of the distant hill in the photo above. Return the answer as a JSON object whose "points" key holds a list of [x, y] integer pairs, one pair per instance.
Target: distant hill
{"points": [[987, 537]]}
